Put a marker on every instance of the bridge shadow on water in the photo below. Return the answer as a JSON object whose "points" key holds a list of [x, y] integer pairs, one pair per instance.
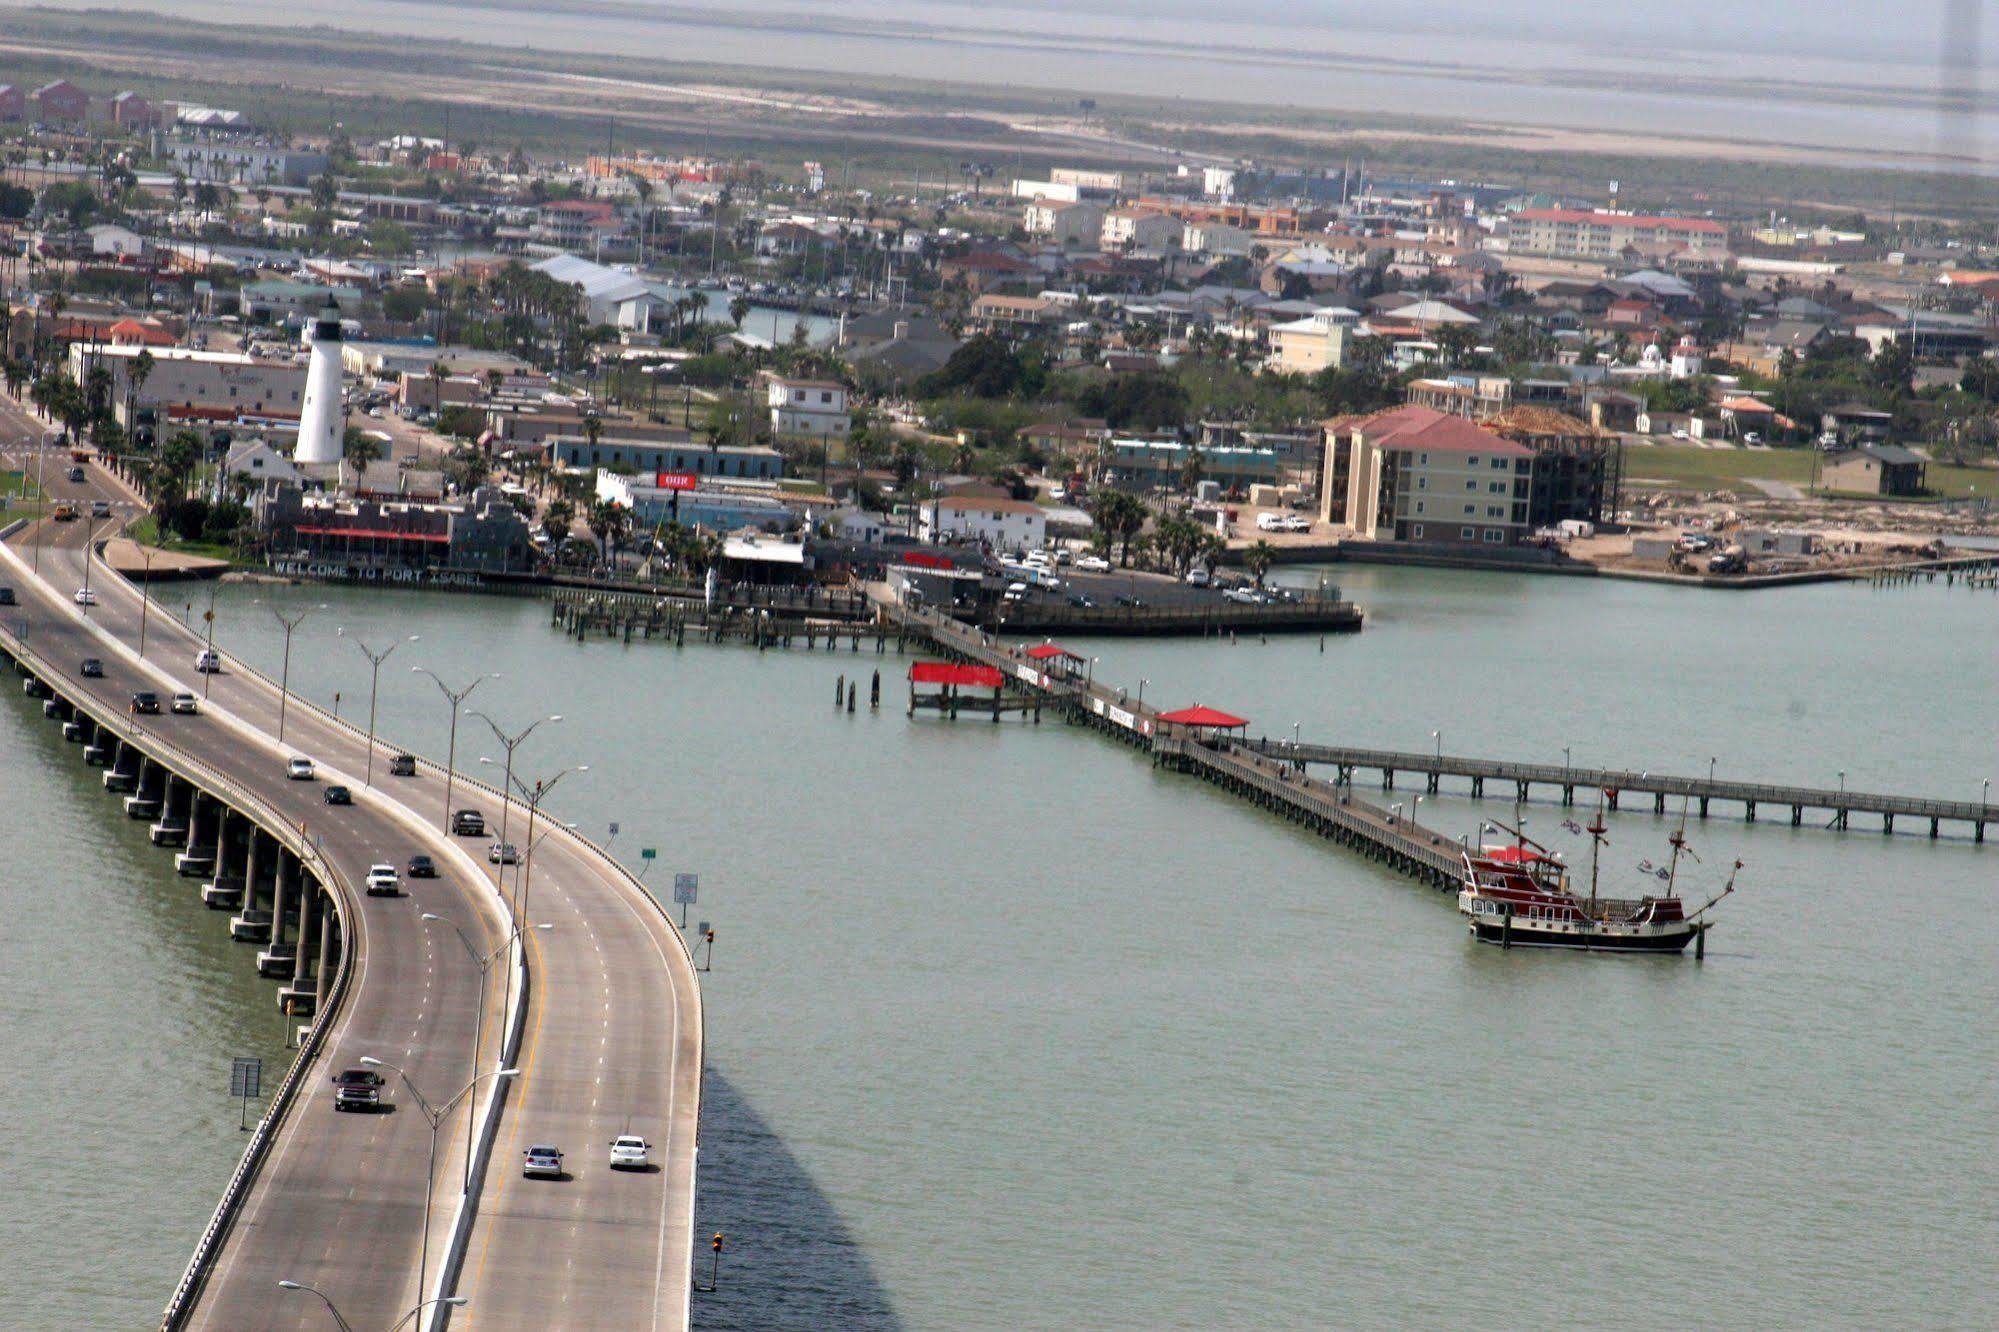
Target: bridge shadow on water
{"points": [[790, 1261]]}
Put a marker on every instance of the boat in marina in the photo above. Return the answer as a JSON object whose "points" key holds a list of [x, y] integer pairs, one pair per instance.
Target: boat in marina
{"points": [[1518, 894]]}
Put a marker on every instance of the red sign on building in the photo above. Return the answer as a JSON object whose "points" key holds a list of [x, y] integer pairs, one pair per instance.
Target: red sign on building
{"points": [[675, 480]]}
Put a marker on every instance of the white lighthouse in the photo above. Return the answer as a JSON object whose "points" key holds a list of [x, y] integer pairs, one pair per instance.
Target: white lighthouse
{"points": [[322, 420]]}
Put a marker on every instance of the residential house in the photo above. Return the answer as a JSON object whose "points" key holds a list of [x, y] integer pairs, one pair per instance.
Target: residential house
{"points": [[1599, 234], [807, 408], [1127, 229], [994, 313], [979, 270], [13, 103], [61, 102], [1071, 225], [1874, 469], [1317, 342], [131, 111], [999, 524]]}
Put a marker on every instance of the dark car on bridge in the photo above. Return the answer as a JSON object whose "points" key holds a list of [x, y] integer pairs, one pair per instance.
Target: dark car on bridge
{"points": [[6, 595], [92, 669], [357, 1089], [146, 702], [422, 867], [337, 795], [403, 765], [468, 823]]}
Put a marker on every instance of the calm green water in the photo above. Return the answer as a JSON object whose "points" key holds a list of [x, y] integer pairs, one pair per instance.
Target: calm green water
{"points": [[1009, 1030]]}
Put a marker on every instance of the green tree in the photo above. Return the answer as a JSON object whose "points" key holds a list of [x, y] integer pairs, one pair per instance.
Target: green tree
{"points": [[1119, 518], [1258, 559]]}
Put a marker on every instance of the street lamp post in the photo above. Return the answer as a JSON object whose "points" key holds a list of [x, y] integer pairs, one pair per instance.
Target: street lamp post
{"points": [[1565, 765], [1142, 682], [457, 699], [484, 961], [89, 546], [1438, 736], [375, 660], [290, 623], [435, 1115], [338, 1320], [534, 798], [208, 650], [1710, 770], [510, 743], [146, 553]]}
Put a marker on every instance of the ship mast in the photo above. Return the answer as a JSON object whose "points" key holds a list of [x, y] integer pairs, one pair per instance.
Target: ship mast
{"points": [[1596, 831], [1679, 843]]}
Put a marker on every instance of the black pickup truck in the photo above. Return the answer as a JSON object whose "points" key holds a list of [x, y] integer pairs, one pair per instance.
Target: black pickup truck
{"points": [[357, 1089]]}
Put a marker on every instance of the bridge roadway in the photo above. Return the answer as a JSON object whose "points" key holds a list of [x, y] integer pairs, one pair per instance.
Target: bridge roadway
{"points": [[613, 1027], [1840, 803]]}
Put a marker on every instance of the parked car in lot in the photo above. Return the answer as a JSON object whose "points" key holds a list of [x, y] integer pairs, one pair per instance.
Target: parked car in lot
{"points": [[1197, 577], [403, 765], [1247, 596], [85, 597], [421, 867], [91, 669], [299, 769], [357, 1089], [628, 1152], [185, 703], [1093, 564], [337, 795], [468, 823], [542, 1162], [208, 661], [146, 703], [1081, 602], [382, 881], [503, 853]]}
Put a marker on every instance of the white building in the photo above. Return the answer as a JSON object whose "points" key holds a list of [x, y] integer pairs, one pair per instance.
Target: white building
{"points": [[1137, 229], [1069, 225], [189, 384], [1002, 524], [1314, 343], [108, 238], [808, 408]]}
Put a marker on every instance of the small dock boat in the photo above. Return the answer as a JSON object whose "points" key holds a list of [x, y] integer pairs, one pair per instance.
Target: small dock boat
{"points": [[1518, 895]]}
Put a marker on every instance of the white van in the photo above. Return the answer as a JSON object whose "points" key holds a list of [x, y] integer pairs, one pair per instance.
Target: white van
{"points": [[208, 661]]}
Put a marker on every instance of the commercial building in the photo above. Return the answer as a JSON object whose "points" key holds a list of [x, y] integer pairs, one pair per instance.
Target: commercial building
{"points": [[357, 536], [618, 452], [184, 384], [242, 163], [1162, 464], [715, 508], [1070, 224]]}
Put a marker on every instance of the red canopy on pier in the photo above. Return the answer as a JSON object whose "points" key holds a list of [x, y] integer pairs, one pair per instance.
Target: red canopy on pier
{"points": [[1049, 651], [950, 673], [1202, 716]]}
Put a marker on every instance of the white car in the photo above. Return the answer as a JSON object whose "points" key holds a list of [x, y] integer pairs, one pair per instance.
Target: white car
{"points": [[383, 881], [299, 769], [503, 853], [629, 1153], [208, 661], [1244, 595], [185, 703], [85, 597], [542, 1162], [1197, 577], [1093, 564]]}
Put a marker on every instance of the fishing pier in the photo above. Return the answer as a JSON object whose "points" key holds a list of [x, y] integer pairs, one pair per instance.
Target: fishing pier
{"points": [[1276, 775], [1838, 805]]}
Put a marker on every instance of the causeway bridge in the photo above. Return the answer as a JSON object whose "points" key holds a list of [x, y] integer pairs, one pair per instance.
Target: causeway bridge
{"points": [[568, 1014]]}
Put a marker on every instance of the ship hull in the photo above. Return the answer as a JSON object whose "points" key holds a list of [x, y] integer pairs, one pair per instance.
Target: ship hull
{"points": [[1524, 935]]}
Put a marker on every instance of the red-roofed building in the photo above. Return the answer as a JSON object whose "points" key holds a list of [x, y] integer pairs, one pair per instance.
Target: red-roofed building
{"points": [[1574, 233], [13, 103], [1418, 474]]}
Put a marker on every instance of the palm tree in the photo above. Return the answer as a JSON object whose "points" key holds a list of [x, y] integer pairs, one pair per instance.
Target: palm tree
{"points": [[1258, 559], [739, 310]]}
